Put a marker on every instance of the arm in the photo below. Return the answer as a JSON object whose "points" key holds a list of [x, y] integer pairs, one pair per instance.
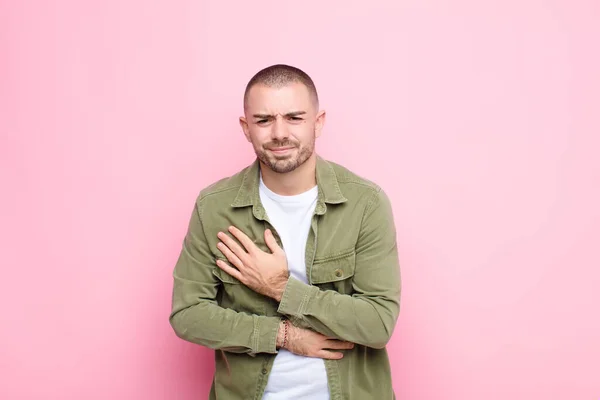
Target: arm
{"points": [[196, 317], [368, 316]]}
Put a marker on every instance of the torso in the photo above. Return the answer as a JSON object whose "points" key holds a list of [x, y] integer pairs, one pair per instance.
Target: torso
{"points": [[294, 376]]}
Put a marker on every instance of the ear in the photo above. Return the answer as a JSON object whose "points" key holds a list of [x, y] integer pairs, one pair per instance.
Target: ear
{"points": [[244, 125], [319, 122]]}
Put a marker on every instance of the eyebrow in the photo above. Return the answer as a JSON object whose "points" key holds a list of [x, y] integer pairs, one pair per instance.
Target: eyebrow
{"points": [[290, 114]]}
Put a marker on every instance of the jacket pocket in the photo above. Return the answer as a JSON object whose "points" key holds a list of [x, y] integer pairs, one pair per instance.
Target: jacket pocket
{"points": [[237, 296], [335, 272], [224, 276]]}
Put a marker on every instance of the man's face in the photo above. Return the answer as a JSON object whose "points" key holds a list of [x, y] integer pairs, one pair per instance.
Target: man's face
{"points": [[282, 125]]}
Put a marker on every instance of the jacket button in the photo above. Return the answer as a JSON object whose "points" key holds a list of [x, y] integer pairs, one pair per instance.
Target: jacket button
{"points": [[264, 371], [338, 273]]}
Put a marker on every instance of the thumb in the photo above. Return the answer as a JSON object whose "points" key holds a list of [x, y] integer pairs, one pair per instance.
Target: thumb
{"points": [[271, 242]]}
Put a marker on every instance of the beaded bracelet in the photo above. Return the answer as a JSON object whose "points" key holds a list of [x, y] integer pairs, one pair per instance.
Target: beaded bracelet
{"points": [[285, 333]]}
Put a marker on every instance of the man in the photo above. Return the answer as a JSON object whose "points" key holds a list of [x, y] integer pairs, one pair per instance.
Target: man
{"points": [[289, 268]]}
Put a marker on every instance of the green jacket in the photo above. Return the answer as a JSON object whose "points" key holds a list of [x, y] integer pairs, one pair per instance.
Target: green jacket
{"points": [[354, 291]]}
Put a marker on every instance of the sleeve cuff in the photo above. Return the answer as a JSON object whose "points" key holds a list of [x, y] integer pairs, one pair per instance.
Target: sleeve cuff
{"points": [[264, 336], [295, 298]]}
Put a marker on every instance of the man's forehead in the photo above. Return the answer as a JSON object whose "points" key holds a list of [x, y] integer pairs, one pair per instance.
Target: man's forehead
{"points": [[292, 92]]}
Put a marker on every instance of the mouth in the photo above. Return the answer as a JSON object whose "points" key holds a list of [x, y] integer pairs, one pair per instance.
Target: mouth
{"points": [[280, 150]]}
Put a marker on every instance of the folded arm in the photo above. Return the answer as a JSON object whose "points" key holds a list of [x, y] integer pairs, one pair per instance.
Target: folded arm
{"points": [[368, 316]]}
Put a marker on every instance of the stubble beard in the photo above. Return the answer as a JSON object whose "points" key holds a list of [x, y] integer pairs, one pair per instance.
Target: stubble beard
{"points": [[286, 163]]}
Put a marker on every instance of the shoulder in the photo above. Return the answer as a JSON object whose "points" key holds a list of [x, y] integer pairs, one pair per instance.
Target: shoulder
{"points": [[352, 181], [359, 189], [367, 196], [223, 189]]}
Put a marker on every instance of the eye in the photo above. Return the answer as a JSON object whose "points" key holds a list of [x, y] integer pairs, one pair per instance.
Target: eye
{"points": [[261, 121]]}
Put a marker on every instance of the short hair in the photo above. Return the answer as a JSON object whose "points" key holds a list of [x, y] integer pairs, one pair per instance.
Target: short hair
{"points": [[280, 75]]}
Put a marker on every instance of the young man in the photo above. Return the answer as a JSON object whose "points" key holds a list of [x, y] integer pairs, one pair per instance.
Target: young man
{"points": [[289, 269]]}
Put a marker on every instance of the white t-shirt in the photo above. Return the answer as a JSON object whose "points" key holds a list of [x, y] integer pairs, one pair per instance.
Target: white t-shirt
{"points": [[293, 376]]}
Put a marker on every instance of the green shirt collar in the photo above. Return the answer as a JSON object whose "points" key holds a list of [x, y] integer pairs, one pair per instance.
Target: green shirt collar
{"points": [[329, 188]]}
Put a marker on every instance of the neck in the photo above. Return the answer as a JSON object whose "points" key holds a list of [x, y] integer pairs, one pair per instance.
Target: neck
{"points": [[294, 182]]}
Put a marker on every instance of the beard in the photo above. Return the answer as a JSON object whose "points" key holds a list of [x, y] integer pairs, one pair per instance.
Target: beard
{"points": [[288, 162]]}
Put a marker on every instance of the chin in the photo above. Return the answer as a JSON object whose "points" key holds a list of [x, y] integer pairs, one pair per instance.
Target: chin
{"points": [[286, 163], [285, 167]]}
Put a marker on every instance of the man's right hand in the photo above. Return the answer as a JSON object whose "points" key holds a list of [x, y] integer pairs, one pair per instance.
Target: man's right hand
{"points": [[305, 342]]}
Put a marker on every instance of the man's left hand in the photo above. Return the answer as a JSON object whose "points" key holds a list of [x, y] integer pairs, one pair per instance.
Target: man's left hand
{"points": [[265, 273]]}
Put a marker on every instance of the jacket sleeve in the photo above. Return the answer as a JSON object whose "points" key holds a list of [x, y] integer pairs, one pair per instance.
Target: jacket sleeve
{"points": [[195, 314], [368, 316]]}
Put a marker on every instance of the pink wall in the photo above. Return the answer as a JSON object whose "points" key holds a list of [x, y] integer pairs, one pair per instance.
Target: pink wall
{"points": [[481, 120]]}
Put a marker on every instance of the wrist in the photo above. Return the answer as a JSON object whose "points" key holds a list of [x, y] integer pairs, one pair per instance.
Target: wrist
{"points": [[277, 295], [279, 289]]}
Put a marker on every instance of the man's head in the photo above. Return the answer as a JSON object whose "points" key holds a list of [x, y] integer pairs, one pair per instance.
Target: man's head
{"points": [[282, 117]]}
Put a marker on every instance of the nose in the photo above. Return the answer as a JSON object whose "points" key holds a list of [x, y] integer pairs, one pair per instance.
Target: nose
{"points": [[279, 129]]}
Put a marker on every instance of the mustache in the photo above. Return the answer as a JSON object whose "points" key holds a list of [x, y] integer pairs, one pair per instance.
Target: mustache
{"points": [[277, 143]]}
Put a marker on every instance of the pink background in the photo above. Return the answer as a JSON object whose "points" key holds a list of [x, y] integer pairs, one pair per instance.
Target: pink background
{"points": [[479, 118]]}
